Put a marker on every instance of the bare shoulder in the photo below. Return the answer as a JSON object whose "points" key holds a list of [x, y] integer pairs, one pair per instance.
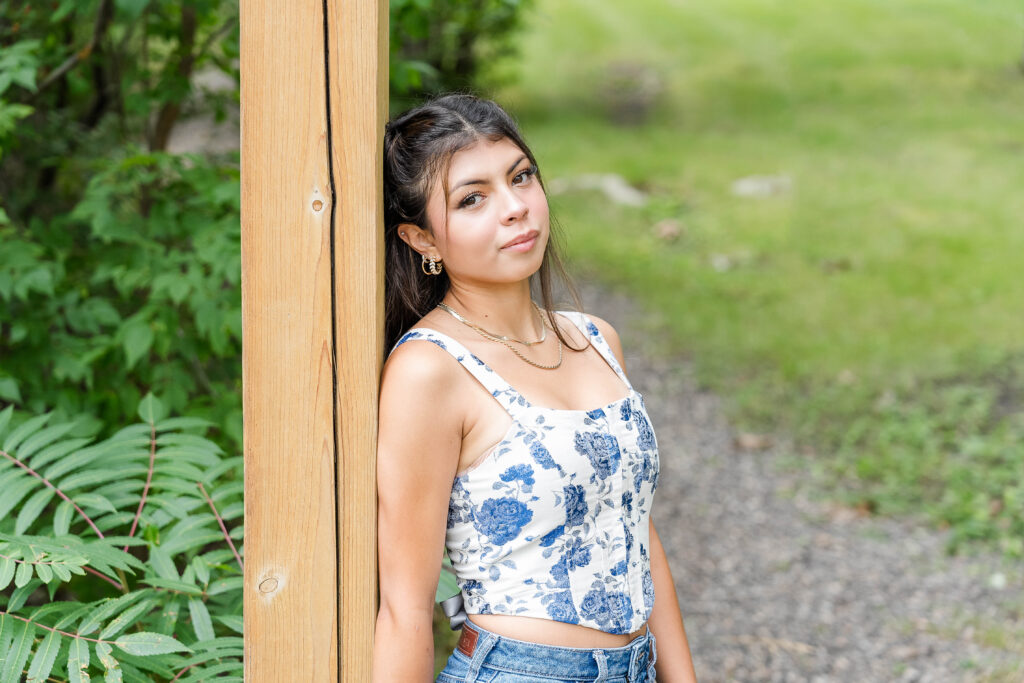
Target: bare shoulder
{"points": [[610, 336], [414, 365], [420, 411]]}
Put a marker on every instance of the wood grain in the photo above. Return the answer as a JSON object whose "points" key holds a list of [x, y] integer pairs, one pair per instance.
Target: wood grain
{"points": [[310, 400], [358, 39]]}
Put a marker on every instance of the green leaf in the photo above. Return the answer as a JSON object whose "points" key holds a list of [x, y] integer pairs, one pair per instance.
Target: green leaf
{"points": [[31, 509], [78, 661], [149, 644], [169, 616], [72, 616], [44, 572], [106, 609], [182, 586], [17, 655], [161, 562], [21, 594], [7, 567], [7, 625], [23, 575], [137, 337], [183, 423], [62, 572], [62, 518], [202, 569], [42, 438], [232, 621], [5, 418], [9, 388], [46, 655], [126, 619], [94, 500], [224, 585], [201, 622], [56, 452], [151, 410], [219, 648], [13, 493], [23, 431], [112, 669]]}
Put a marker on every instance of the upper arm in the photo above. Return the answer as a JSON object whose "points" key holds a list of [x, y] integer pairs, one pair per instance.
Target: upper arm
{"points": [[418, 442], [610, 336]]}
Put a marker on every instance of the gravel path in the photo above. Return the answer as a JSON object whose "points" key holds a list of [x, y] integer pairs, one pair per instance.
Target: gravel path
{"points": [[776, 587]]}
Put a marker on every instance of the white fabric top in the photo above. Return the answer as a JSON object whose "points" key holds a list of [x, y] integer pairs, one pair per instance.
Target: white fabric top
{"points": [[553, 522]]}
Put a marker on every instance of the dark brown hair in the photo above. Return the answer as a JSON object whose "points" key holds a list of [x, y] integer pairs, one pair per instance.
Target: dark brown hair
{"points": [[418, 148]]}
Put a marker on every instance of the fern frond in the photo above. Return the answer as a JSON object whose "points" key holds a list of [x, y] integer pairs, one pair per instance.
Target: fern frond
{"points": [[71, 509]]}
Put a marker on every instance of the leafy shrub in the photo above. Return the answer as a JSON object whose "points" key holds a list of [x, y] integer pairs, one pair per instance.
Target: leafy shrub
{"points": [[440, 45], [120, 269], [119, 551]]}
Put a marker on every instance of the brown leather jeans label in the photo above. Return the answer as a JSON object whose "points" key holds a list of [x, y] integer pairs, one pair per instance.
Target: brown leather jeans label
{"points": [[467, 642]]}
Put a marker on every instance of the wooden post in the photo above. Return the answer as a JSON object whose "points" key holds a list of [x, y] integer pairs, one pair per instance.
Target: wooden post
{"points": [[314, 102], [357, 33]]}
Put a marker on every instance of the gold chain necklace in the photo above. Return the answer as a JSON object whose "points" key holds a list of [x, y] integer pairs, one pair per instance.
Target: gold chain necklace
{"points": [[500, 337], [506, 341]]}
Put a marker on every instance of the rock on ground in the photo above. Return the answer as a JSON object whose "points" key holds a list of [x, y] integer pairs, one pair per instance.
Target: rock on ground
{"points": [[776, 587]]}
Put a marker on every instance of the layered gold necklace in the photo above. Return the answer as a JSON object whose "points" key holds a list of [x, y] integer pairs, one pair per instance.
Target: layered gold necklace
{"points": [[508, 341]]}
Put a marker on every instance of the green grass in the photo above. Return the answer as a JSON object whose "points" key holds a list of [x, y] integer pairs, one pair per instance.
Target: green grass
{"points": [[875, 310]]}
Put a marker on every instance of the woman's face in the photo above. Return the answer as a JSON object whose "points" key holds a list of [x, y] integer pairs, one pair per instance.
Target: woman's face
{"points": [[492, 227]]}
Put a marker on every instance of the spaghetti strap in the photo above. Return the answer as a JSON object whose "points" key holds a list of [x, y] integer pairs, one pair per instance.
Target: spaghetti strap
{"points": [[603, 347], [502, 391]]}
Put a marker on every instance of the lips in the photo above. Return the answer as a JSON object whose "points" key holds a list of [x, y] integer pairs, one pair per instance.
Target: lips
{"points": [[523, 241]]}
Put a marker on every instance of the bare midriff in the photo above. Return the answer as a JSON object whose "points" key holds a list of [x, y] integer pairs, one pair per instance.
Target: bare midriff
{"points": [[547, 632]]}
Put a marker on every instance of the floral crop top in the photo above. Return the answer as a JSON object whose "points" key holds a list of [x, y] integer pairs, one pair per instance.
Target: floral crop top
{"points": [[553, 522]]}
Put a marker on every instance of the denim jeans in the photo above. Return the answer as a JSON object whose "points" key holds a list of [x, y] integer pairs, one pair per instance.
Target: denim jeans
{"points": [[496, 659]]}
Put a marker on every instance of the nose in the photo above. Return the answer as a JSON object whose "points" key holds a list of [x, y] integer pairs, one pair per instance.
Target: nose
{"points": [[513, 208]]}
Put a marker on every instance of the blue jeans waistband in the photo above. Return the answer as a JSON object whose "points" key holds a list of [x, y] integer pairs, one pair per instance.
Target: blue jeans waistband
{"points": [[491, 651]]}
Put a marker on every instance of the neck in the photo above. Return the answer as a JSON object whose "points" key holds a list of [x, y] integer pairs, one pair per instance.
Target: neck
{"points": [[505, 310]]}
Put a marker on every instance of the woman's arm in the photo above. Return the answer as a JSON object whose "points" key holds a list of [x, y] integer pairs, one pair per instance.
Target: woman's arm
{"points": [[674, 663], [418, 444]]}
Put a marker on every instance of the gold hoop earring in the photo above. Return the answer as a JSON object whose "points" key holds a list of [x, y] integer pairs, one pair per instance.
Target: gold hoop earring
{"points": [[434, 268]]}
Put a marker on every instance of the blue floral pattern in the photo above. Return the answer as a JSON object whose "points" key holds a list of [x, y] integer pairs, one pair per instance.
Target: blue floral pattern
{"points": [[554, 522]]}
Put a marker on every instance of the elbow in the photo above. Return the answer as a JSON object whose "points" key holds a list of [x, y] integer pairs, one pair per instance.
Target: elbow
{"points": [[401, 617]]}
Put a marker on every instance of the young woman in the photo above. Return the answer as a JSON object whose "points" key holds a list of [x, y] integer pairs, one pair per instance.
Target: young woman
{"points": [[508, 432]]}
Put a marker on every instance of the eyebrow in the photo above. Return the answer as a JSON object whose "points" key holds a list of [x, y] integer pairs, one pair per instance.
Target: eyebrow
{"points": [[483, 182]]}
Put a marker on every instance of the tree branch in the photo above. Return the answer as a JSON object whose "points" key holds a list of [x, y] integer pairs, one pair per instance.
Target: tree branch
{"points": [[168, 114], [149, 480], [60, 493], [220, 521], [210, 39], [103, 17]]}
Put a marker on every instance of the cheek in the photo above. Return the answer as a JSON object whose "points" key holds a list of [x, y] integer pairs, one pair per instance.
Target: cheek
{"points": [[462, 234]]}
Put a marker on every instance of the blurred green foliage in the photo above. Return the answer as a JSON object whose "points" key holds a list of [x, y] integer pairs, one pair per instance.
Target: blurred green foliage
{"points": [[445, 45], [120, 265], [119, 278], [866, 300]]}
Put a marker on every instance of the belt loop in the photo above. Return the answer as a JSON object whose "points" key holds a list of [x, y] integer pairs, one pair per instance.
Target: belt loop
{"points": [[653, 656], [635, 655], [484, 645], [602, 666]]}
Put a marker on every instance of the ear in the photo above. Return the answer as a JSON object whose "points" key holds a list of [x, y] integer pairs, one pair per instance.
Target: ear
{"points": [[420, 240]]}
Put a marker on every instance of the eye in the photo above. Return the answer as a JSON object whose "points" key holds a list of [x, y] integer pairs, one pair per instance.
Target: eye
{"points": [[470, 200], [524, 176]]}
